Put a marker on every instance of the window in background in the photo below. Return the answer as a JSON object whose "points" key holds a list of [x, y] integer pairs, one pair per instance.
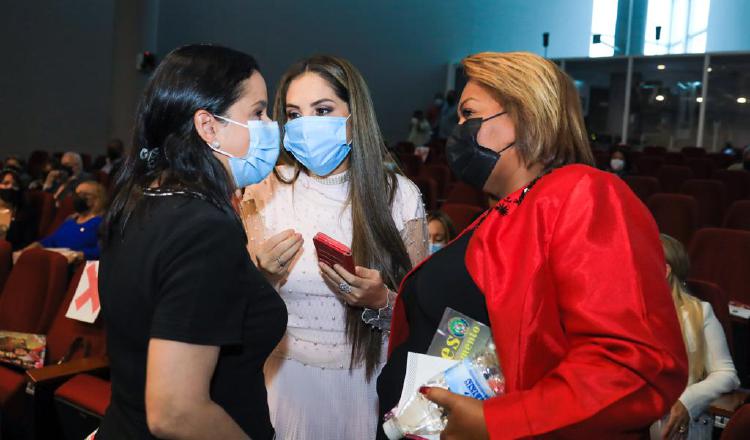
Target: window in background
{"points": [[603, 22], [684, 26]]}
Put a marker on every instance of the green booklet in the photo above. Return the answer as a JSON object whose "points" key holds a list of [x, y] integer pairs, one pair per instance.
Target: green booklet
{"points": [[459, 337]]}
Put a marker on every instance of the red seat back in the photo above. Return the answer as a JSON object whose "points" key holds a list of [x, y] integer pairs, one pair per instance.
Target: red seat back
{"points": [[737, 182], [62, 213], [6, 261], [647, 165], [64, 331], [461, 215], [33, 291], [673, 158], [42, 206], [441, 174], [702, 167], [711, 196], [675, 214], [738, 216], [738, 427], [719, 300], [721, 256], [429, 189], [643, 186], [693, 151], [466, 194], [672, 177]]}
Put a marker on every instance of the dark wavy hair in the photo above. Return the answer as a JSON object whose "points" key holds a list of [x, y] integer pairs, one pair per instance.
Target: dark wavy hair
{"points": [[190, 78]]}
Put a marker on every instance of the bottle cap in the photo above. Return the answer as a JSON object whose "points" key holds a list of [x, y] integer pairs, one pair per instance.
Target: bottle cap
{"points": [[392, 430]]}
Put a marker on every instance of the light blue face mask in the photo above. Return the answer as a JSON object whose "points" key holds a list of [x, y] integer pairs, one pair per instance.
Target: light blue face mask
{"points": [[261, 155], [317, 142], [434, 247]]}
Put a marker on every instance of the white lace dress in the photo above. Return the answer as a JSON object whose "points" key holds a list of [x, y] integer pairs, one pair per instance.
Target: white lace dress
{"points": [[312, 392]]}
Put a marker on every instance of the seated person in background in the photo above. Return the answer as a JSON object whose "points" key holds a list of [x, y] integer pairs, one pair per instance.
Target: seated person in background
{"points": [[441, 230], [78, 237], [420, 131], [618, 162], [711, 368], [63, 181], [744, 164], [115, 150], [14, 163], [15, 225], [37, 184]]}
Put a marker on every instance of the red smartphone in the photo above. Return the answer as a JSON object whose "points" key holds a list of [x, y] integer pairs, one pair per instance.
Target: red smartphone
{"points": [[333, 252]]}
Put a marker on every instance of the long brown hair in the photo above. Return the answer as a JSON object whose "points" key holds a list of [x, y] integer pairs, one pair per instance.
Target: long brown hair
{"points": [[542, 102], [376, 242], [679, 264]]}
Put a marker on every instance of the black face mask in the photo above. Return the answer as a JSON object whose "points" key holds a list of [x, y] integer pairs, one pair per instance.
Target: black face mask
{"points": [[470, 161], [80, 204], [11, 197], [67, 169]]}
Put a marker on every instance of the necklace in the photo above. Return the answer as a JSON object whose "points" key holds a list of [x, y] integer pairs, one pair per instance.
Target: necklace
{"points": [[504, 205]]}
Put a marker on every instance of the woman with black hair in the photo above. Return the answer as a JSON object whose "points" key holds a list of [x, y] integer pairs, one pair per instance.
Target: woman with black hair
{"points": [[189, 319]]}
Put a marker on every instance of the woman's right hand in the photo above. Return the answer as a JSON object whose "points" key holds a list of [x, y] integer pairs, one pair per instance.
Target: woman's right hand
{"points": [[276, 253]]}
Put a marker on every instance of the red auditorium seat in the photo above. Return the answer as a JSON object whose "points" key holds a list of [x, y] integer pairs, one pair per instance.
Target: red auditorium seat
{"points": [[441, 174], [721, 256], [673, 158], [720, 160], [62, 213], [654, 150], [6, 261], [693, 151], [42, 205], [675, 214], [30, 298], [461, 215], [738, 216], [410, 164], [643, 186], [738, 427], [34, 289], [719, 300], [702, 167], [737, 182], [81, 403], [81, 348], [711, 196], [466, 194], [429, 189], [647, 165], [671, 177]]}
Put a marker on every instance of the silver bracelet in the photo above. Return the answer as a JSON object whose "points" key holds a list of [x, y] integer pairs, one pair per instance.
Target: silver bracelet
{"points": [[380, 318]]}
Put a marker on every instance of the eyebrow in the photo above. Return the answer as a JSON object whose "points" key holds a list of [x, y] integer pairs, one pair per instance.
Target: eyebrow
{"points": [[262, 102], [466, 100], [318, 102]]}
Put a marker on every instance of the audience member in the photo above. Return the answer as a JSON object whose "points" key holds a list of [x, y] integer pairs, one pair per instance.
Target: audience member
{"points": [[16, 224], [441, 230], [113, 161], [618, 161], [448, 115], [63, 181], [78, 236], [419, 129], [744, 163], [710, 366]]}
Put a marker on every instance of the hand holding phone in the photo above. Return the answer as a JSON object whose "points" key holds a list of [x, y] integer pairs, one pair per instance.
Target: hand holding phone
{"points": [[333, 252]]}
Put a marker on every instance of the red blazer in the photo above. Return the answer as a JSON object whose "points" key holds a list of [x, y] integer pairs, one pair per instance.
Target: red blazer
{"points": [[586, 330]]}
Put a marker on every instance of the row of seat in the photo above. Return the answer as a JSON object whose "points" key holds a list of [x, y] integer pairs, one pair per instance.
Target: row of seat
{"points": [[35, 296]]}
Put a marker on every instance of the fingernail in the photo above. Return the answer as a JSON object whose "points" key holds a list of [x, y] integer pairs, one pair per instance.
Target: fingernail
{"points": [[424, 390]]}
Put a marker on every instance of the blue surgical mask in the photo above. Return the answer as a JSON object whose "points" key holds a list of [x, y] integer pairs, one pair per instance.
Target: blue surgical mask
{"points": [[318, 142], [434, 247], [261, 155]]}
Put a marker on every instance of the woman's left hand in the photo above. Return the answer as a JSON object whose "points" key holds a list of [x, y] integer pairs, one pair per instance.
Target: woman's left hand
{"points": [[678, 424], [465, 415], [366, 285]]}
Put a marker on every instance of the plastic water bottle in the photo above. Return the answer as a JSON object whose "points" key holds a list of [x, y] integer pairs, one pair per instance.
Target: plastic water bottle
{"points": [[479, 377]]}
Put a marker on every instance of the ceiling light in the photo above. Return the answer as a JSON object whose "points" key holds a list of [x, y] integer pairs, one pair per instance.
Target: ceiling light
{"points": [[661, 67], [741, 100], [710, 69], [660, 98], [699, 99]]}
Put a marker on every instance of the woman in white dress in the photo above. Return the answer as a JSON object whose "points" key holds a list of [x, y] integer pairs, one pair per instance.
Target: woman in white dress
{"points": [[711, 368], [320, 378]]}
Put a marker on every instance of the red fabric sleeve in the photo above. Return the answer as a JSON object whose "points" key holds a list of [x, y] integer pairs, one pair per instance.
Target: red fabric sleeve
{"points": [[626, 361]]}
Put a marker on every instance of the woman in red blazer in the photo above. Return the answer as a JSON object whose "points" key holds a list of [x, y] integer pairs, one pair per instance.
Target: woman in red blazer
{"points": [[567, 269]]}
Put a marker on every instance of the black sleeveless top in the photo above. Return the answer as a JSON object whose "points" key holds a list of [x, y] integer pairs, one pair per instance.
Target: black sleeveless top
{"points": [[441, 282]]}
